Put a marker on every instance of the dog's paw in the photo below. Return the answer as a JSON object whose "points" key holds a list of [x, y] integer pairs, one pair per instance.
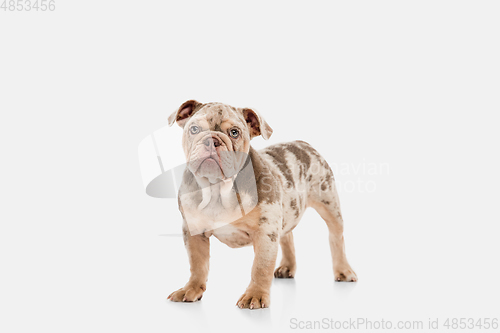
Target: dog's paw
{"points": [[345, 274], [253, 299], [284, 272], [187, 294]]}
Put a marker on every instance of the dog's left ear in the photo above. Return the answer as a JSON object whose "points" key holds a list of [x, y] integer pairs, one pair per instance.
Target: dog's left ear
{"points": [[185, 111], [256, 124]]}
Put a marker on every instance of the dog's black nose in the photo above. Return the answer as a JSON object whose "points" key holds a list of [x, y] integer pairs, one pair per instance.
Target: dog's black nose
{"points": [[212, 141]]}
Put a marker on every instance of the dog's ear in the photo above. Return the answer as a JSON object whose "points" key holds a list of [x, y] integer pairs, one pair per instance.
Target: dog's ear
{"points": [[186, 110], [256, 124]]}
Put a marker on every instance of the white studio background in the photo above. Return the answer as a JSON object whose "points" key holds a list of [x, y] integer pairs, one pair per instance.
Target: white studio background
{"points": [[401, 96]]}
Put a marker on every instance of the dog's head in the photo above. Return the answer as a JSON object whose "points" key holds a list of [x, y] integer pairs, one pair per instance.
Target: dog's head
{"points": [[216, 138]]}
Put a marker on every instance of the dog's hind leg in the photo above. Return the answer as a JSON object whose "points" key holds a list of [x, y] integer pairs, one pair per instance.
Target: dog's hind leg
{"points": [[329, 209], [288, 265]]}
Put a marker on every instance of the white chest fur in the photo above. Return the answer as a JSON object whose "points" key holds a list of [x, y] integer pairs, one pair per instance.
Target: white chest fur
{"points": [[219, 207]]}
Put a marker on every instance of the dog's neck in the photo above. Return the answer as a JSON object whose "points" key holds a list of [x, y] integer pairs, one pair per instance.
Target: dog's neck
{"points": [[214, 189], [221, 189]]}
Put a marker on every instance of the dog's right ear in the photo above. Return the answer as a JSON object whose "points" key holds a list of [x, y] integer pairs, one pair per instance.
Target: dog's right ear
{"points": [[186, 110]]}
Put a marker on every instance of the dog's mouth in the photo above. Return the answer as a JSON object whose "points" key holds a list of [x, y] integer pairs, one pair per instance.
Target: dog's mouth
{"points": [[210, 162], [210, 168], [214, 158]]}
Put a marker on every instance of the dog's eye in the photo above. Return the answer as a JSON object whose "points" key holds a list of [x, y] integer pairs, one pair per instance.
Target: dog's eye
{"points": [[234, 133], [194, 129]]}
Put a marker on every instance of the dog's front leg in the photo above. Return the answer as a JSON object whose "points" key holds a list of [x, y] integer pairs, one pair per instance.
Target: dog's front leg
{"points": [[265, 243], [198, 248]]}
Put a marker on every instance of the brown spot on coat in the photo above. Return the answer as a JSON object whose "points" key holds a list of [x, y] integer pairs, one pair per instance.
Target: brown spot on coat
{"points": [[263, 220], [329, 176], [273, 236], [293, 205], [302, 157], [315, 153], [278, 154], [268, 189]]}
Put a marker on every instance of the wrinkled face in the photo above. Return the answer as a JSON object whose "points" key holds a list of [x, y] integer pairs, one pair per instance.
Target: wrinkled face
{"points": [[216, 138], [216, 141]]}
